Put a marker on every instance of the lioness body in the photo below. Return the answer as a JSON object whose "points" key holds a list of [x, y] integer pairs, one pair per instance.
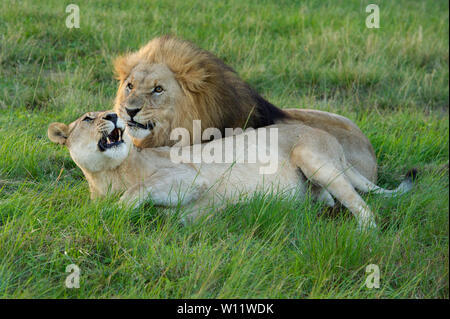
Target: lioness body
{"points": [[169, 83], [111, 163], [205, 183]]}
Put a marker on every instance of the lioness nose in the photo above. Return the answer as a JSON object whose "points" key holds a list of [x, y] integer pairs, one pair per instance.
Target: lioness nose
{"points": [[111, 117], [132, 112]]}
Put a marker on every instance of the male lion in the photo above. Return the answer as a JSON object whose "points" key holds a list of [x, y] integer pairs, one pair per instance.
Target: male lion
{"points": [[169, 83], [111, 163]]}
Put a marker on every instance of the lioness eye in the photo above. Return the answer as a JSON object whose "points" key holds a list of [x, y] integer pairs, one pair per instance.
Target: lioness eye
{"points": [[158, 89], [130, 86], [88, 119]]}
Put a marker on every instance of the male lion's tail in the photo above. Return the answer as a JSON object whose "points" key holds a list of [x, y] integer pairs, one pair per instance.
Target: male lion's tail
{"points": [[364, 185]]}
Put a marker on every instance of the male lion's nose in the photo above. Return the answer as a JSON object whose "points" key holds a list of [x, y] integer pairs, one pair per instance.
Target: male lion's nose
{"points": [[132, 112], [111, 117]]}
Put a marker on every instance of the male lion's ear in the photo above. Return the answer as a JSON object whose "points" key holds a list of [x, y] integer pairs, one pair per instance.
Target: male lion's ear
{"points": [[123, 65], [194, 80], [58, 133], [121, 68]]}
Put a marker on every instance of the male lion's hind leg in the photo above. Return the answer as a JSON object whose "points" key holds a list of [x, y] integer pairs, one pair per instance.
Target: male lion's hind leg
{"points": [[356, 146], [325, 197], [321, 195], [321, 169]]}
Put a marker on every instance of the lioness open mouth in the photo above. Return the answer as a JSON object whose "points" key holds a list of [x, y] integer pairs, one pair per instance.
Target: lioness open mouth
{"points": [[112, 140], [134, 124]]}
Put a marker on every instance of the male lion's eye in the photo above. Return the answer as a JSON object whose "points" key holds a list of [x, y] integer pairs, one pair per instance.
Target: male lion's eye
{"points": [[88, 119], [158, 89], [130, 86]]}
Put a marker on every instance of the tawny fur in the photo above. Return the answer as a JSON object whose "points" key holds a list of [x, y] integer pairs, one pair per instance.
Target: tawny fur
{"points": [[303, 155], [212, 92]]}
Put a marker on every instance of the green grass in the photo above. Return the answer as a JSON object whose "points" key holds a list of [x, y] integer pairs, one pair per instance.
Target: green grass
{"points": [[393, 82]]}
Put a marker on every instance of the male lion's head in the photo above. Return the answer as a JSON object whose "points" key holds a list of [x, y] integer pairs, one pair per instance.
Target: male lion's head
{"points": [[169, 83]]}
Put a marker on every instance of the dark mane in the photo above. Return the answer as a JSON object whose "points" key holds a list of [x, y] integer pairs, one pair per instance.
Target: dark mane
{"points": [[266, 112]]}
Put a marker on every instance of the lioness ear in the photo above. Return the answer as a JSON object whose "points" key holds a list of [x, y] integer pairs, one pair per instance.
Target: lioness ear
{"points": [[58, 133]]}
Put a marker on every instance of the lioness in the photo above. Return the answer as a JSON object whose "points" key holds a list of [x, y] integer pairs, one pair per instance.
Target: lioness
{"points": [[169, 83], [110, 162]]}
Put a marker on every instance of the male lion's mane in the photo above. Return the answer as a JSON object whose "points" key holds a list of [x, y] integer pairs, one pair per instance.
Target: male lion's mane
{"points": [[214, 93]]}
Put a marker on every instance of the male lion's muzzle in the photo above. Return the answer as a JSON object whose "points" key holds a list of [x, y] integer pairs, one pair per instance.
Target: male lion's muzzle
{"points": [[133, 124]]}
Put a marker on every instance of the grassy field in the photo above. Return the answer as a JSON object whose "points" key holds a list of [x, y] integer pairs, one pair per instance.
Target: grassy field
{"points": [[392, 81]]}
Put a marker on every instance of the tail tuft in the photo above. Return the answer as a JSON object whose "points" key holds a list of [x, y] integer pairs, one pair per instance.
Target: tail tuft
{"points": [[408, 182], [412, 175]]}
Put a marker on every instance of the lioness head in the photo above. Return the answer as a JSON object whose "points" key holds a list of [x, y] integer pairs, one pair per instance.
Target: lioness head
{"points": [[96, 140], [169, 83]]}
